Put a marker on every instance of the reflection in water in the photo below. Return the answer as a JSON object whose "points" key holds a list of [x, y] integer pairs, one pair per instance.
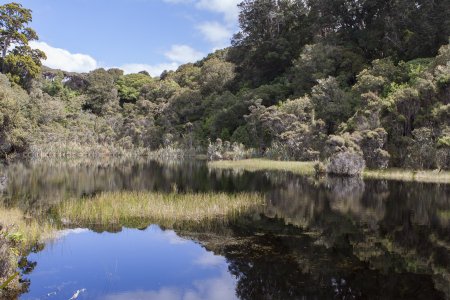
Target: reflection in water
{"points": [[315, 238], [150, 264]]}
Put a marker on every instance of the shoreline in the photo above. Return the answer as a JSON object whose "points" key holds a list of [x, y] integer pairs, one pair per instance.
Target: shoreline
{"points": [[307, 168]]}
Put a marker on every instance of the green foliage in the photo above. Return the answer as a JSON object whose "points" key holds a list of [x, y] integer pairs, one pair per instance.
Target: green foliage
{"points": [[331, 103], [18, 60], [101, 91], [130, 86], [355, 70], [14, 128]]}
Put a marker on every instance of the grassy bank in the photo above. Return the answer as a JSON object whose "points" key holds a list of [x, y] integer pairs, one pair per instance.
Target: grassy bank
{"points": [[122, 208], [18, 234], [252, 165], [432, 176], [307, 168]]}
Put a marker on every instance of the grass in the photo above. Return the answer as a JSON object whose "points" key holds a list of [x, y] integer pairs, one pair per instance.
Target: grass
{"points": [[23, 230], [18, 235], [252, 165], [432, 176], [307, 168], [122, 208]]}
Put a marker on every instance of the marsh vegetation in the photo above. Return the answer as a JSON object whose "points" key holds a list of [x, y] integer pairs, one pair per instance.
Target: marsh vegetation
{"points": [[131, 208]]}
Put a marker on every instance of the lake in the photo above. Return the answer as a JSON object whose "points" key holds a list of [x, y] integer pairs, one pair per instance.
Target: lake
{"points": [[341, 238]]}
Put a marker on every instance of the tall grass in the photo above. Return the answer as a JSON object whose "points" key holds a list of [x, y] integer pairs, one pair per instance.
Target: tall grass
{"points": [[18, 234], [252, 165], [432, 176], [307, 168], [23, 230], [122, 208]]}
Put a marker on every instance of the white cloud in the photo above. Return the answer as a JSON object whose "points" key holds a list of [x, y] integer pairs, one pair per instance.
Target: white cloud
{"points": [[173, 238], [208, 259], [216, 33], [219, 288], [228, 8], [154, 70], [58, 58], [183, 54]]}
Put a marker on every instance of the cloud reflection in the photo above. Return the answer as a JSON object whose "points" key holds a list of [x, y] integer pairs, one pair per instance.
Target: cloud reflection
{"points": [[219, 288]]}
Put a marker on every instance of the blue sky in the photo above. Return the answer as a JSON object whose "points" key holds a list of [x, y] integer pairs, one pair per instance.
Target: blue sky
{"points": [[81, 35]]}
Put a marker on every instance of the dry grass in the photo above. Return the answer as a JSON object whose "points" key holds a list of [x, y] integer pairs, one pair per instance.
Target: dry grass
{"points": [[18, 235], [121, 208], [307, 168], [409, 175], [25, 230], [252, 165]]}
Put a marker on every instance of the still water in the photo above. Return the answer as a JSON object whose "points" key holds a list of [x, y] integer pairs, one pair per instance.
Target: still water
{"points": [[314, 238]]}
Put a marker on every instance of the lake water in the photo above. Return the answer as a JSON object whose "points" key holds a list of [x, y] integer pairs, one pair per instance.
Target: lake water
{"points": [[314, 238]]}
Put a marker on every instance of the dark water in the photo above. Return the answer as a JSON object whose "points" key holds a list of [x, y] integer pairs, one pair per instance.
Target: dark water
{"points": [[315, 238]]}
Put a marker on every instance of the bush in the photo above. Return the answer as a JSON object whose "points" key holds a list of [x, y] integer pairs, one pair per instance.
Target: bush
{"points": [[346, 164], [226, 151]]}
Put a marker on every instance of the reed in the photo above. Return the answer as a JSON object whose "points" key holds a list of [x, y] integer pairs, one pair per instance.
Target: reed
{"points": [[122, 208]]}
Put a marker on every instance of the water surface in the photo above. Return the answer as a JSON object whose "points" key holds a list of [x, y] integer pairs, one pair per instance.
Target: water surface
{"points": [[314, 238]]}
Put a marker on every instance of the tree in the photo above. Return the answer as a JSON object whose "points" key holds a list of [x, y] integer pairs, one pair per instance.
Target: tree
{"points": [[130, 86], [101, 91], [215, 75], [14, 127], [272, 33], [331, 103], [18, 59]]}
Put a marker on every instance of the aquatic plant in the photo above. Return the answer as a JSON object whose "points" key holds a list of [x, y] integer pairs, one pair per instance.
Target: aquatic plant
{"points": [[124, 208]]}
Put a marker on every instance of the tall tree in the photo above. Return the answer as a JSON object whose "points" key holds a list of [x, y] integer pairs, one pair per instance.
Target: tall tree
{"points": [[18, 59], [272, 34]]}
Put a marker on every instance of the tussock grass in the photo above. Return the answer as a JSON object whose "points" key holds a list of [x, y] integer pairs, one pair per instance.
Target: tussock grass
{"points": [[307, 168], [18, 235], [252, 165], [432, 176], [121, 208], [24, 230]]}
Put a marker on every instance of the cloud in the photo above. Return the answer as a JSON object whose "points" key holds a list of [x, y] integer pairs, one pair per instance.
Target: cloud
{"points": [[154, 70], [183, 54], [218, 288], [208, 259], [58, 58], [173, 238], [228, 8], [216, 33], [66, 232], [177, 55]]}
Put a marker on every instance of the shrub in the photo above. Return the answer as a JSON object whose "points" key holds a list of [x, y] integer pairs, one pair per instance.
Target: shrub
{"points": [[346, 164]]}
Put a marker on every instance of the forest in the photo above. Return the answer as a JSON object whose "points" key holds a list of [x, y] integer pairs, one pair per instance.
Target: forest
{"points": [[350, 83]]}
